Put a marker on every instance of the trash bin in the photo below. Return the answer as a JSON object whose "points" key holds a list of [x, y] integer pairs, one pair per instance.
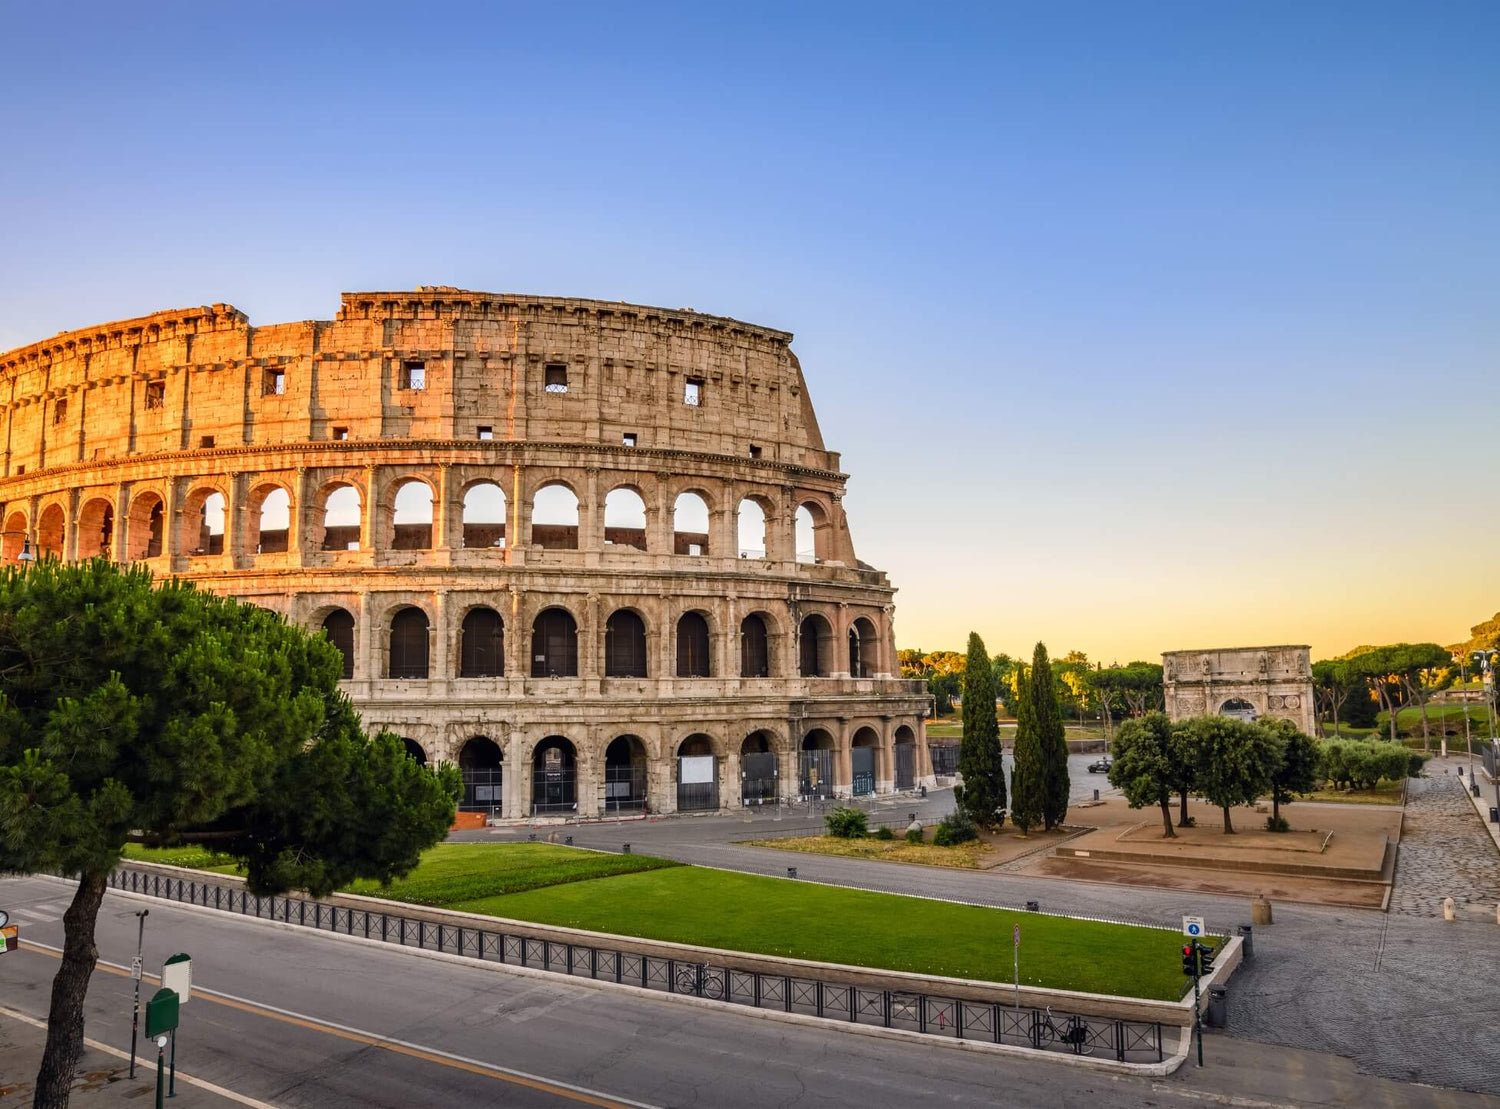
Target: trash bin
{"points": [[1247, 933], [1096, 795], [1494, 815], [1218, 1007]]}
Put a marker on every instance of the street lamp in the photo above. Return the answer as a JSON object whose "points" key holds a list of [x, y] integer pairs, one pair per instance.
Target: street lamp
{"points": [[1463, 683], [26, 554], [1485, 659]]}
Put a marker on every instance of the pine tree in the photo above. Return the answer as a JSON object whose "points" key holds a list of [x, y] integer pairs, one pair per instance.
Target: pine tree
{"points": [[1028, 775], [979, 756], [1050, 739]]}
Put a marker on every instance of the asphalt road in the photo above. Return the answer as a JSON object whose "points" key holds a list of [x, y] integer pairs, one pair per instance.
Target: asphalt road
{"points": [[298, 1018]]}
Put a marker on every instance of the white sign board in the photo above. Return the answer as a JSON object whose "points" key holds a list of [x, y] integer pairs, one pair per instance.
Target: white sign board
{"points": [[135, 967], [1192, 926], [177, 976], [695, 769]]}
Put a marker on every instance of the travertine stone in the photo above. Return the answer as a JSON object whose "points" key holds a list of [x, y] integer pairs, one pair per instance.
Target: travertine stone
{"points": [[1276, 681], [115, 436]]}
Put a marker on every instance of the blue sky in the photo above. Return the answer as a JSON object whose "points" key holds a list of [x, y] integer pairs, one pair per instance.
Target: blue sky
{"points": [[1139, 326]]}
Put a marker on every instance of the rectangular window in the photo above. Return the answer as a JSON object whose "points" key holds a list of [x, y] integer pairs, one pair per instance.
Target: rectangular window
{"points": [[693, 393], [60, 410], [754, 451], [486, 433], [20, 470], [628, 439], [557, 378], [341, 433], [156, 394], [275, 383], [206, 441], [414, 375]]}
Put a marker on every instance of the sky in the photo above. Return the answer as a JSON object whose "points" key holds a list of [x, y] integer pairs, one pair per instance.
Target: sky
{"points": [[1139, 326]]}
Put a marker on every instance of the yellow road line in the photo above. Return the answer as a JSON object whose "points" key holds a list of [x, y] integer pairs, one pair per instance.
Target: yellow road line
{"points": [[562, 1090]]}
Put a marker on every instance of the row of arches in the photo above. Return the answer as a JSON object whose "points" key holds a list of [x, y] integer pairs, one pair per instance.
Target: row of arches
{"points": [[626, 654], [405, 520], [691, 775]]}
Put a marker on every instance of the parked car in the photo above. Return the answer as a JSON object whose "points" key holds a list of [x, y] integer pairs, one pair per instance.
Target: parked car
{"points": [[1100, 765]]}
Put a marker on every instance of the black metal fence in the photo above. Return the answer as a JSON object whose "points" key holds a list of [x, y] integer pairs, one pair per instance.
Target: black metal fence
{"points": [[944, 759], [931, 1014]]}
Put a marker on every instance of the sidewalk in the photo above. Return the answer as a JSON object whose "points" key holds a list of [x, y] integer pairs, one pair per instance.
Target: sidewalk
{"points": [[1485, 799], [101, 1080]]}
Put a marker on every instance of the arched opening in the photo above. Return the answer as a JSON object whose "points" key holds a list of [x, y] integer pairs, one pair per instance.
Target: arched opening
{"points": [[624, 519], [484, 516], [758, 769], [1240, 709], [96, 530], [625, 775], [864, 649], [624, 645], [755, 647], [554, 518], [689, 525], [481, 649], [408, 657], [554, 778], [692, 647], [146, 525], [554, 645], [815, 765], [271, 509], [411, 517], [697, 775], [752, 529], [809, 541], [864, 760], [203, 523], [414, 749], [338, 626], [479, 761], [341, 519], [14, 537], [906, 758], [815, 647], [52, 531]]}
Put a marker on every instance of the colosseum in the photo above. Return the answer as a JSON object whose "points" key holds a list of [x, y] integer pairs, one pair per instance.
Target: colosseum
{"points": [[595, 553]]}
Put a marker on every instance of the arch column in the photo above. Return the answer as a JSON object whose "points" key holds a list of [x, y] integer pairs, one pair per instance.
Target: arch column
{"points": [[441, 667], [118, 540], [659, 522], [237, 519], [733, 662], [589, 779], [516, 783], [364, 643], [295, 529], [723, 539], [70, 527], [367, 509], [841, 627], [517, 638], [843, 763], [591, 515], [590, 640], [442, 510], [731, 792]]}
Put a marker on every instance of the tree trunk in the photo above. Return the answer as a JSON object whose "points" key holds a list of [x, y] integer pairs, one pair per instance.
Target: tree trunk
{"points": [[64, 1047], [1166, 817], [1182, 818], [1275, 807], [1228, 827]]}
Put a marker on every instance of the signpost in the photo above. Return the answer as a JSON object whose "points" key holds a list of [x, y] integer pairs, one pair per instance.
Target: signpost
{"points": [[135, 972], [177, 976], [161, 1018], [1192, 927], [1015, 946]]}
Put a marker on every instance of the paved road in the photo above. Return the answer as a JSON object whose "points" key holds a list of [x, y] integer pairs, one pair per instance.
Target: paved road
{"points": [[622, 1048], [1441, 854]]}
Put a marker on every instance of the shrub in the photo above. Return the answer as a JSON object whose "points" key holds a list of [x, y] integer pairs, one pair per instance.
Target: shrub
{"points": [[846, 823], [884, 833], [954, 829], [1277, 824], [914, 835]]}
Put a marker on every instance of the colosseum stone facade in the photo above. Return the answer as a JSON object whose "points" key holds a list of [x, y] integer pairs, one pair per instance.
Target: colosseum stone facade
{"points": [[593, 552]]}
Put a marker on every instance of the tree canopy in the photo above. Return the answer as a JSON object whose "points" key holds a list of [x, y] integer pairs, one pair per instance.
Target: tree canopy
{"points": [[980, 760], [1028, 776], [1142, 767], [1051, 740], [1234, 760]]}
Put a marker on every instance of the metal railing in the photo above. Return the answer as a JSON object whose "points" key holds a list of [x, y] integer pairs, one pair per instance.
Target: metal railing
{"points": [[827, 998]]}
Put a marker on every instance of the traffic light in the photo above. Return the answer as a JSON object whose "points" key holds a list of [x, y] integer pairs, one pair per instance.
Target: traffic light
{"points": [[1189, 963], [1206, 959]]}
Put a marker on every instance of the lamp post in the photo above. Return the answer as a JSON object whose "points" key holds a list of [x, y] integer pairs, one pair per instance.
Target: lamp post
{"points": [[1486, 661], [26, 553], [1463, 671]]}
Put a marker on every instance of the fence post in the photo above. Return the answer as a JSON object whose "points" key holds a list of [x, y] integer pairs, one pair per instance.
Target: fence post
{"points": [[959, 1027], [546, 954], [570, 958], [786, 992], [820, 997], [1120, 1040], [921, 1012], [401, 929], [593, 962], [440, 936], [854, 1004], [644, 960], [755, 988], [995, 1019], [887, 1007], [671, 975], [421, 933]]}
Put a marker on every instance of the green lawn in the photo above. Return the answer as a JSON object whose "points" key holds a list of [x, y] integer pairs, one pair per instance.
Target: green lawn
{"points": [[636, 895]]}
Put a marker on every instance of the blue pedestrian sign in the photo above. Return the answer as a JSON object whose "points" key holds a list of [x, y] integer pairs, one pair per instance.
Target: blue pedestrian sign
{"points": [[1192, 926]]}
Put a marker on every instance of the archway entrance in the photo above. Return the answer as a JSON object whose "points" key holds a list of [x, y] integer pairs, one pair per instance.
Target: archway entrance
{"points": [[758, 770], [697, 775], [480, 763], [414, 749], [815, 765], [554, 778], [625, 775], [1240, 709], [863, 760], [906, 758]]}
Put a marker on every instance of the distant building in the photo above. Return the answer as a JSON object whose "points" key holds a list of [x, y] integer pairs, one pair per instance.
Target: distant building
{"points": [[1244, 682]]}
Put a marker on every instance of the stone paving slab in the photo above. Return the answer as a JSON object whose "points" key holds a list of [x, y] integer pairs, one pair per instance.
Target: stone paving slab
{"points": [[1445, 853]]}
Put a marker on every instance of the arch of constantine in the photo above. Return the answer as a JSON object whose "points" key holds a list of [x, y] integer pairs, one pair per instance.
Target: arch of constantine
{"points": [[595, 553], [1248, 682]]}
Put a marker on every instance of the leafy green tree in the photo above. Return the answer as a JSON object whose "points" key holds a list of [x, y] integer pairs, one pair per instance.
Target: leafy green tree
{"points": [[1424, 669], [170, 715], [1051, 740], [1184, 770], [1028, 776], [944, 688], [1296, 765], [980, 760], [1136, 687], [1235, 762], [1333, 687], [1005, 686], [1142, 767]]}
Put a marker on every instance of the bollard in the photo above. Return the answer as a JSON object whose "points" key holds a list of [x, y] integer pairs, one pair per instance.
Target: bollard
{"points": [[791, 872], [1474, 787], [1218, 1007], [1260, 911], [1096, 795], [1448, 909], [626, 850], [1247, 934], [1033, 906]]}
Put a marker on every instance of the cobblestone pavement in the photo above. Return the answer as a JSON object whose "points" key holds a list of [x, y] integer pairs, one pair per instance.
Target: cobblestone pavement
{"points": [[1444, 853], [1407, 997]]}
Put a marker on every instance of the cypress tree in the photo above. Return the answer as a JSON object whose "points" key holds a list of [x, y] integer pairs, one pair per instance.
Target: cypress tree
{"points": [[1027, 777], [1051, 740], [979, 757]]}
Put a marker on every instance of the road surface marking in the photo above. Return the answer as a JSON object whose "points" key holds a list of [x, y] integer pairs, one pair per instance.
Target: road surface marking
{"points": [[556, 1087], [143, 1062]]}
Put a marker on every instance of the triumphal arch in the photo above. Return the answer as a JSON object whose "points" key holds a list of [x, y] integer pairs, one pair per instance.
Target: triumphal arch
{"points": [[1247, 682], [593, 552]]}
